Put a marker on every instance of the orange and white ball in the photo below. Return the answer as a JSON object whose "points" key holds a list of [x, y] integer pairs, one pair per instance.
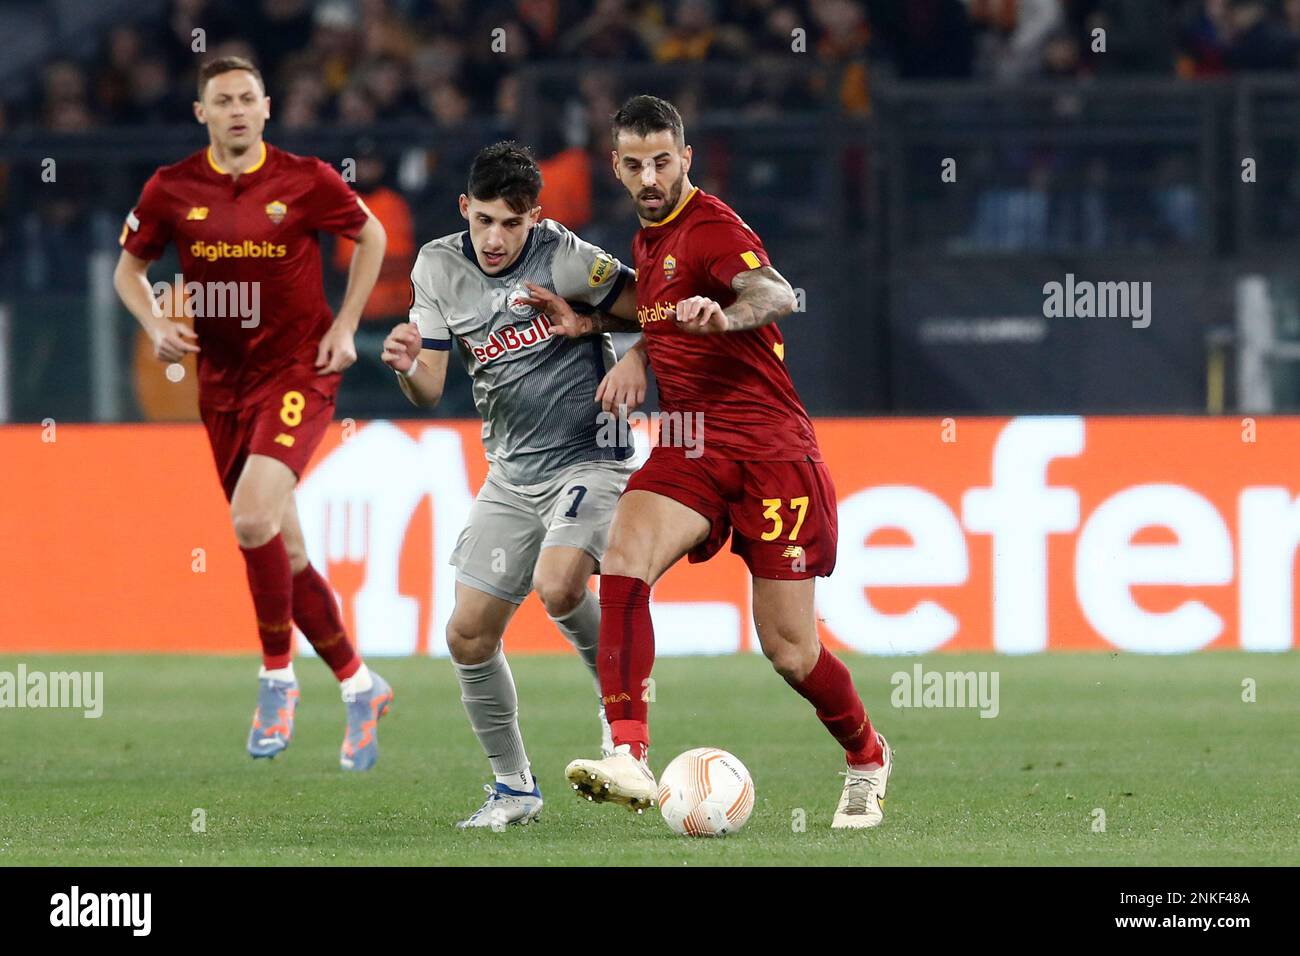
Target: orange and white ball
{"points": [[705, 792]]}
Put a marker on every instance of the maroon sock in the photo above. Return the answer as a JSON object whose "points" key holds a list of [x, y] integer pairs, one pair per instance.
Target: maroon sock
{"points": [[829, 688], [271, 583], [317, 614], [626, 656]]}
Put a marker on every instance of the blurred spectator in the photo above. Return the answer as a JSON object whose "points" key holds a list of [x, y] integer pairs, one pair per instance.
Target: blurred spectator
{"points": [[384, 81], [926, 39], [1014, 36], [302, 98], [282, 27], [845, 40], [1204, 40], [1061, 58], [1139, 37], [608, 33], [566, 187], [1258, 42], [113, 79], [391, 296], [355, 106], [696, 34]]}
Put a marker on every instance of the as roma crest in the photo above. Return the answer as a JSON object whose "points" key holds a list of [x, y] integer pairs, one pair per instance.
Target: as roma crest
{"points": [[275, 211], [670, 266]]}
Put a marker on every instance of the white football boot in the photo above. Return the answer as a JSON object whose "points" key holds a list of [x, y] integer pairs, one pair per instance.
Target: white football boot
{"points": [[619, 778], [862, 804], [503, 808]]}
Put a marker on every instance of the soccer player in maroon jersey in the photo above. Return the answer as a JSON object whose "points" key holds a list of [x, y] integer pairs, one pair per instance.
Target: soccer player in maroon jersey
{"points": [[707, 301], [246, 217]]}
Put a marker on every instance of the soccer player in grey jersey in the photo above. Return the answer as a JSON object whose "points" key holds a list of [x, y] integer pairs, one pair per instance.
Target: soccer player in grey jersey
{"points": [[541, 519]]}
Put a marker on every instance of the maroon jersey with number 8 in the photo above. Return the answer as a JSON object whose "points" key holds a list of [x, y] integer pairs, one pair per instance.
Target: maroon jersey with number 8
{"points": [[252, 246]]}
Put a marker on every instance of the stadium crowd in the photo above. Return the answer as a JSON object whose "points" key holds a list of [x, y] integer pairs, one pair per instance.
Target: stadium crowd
{"points": [[361, 61], [450, 73]]}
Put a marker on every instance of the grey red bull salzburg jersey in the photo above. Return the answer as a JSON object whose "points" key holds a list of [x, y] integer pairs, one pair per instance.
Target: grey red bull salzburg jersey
{"points": [[534, 390]]}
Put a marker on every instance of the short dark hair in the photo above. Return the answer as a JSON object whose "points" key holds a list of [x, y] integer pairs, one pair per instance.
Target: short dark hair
{"points": [[645, 114], [505, 171], [225, 64]]}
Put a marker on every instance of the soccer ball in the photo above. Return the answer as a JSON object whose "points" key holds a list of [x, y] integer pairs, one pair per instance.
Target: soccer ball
{"points": [[705, 792]]}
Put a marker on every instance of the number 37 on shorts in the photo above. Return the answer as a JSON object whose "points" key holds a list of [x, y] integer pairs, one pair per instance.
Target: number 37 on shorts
{"points": [[780, 515], [784, 526]]}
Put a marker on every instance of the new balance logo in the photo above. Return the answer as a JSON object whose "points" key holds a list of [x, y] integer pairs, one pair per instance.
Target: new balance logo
{"points": [[616, 698], [794, 551]]}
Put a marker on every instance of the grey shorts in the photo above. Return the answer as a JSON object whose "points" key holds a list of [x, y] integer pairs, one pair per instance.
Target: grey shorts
{"points": [[510, 524]]}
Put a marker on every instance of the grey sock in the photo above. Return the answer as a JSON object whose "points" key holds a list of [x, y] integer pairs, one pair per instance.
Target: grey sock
{"points": [[488, 692], [582, 628]]}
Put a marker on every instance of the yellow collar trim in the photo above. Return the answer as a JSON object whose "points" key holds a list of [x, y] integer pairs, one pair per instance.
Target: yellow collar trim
{"points": [[251, 169], [676, 212]]}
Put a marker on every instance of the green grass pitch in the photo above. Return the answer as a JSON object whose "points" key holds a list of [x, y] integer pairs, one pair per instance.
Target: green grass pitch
{"points": [[1184, 769]]}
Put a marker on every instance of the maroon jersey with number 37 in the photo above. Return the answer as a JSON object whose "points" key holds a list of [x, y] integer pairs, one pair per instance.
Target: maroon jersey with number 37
{"points": [[737, 380], [249, 241]]}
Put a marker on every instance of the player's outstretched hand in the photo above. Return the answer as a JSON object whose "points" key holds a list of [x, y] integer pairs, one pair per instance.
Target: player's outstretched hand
{"points": [[336, 351], [624, 384], [700, 315], [402, 347], [172, 340], [564, 321]]}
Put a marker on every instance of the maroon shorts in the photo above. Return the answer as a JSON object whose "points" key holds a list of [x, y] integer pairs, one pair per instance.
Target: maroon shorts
{"points": [[781, 515], [285, 423]]}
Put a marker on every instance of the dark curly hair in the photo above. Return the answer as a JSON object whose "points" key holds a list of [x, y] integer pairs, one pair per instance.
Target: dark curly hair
{"points": [[505, 171]]}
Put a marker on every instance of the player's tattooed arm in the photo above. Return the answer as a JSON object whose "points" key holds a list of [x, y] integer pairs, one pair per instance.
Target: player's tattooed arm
{"points": [[762, 297], [604, 322]]}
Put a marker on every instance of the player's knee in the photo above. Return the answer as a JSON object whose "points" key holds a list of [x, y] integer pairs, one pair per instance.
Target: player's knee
{"points": [[624, 561], [559, 597], [297, 555], [789, 657], [254, 527], [469, 644]]}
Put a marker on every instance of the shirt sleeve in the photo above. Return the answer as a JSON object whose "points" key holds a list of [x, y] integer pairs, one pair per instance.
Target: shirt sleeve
{"points": [[335, 207], [728, 249], [586, 273], [425, 313], [148, 227]]}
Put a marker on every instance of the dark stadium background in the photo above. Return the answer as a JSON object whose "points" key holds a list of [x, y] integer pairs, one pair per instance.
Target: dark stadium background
{"points": [[825, 123]]}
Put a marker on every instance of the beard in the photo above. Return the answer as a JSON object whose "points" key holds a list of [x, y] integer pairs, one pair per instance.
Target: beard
{"points": [[670, 201]]}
